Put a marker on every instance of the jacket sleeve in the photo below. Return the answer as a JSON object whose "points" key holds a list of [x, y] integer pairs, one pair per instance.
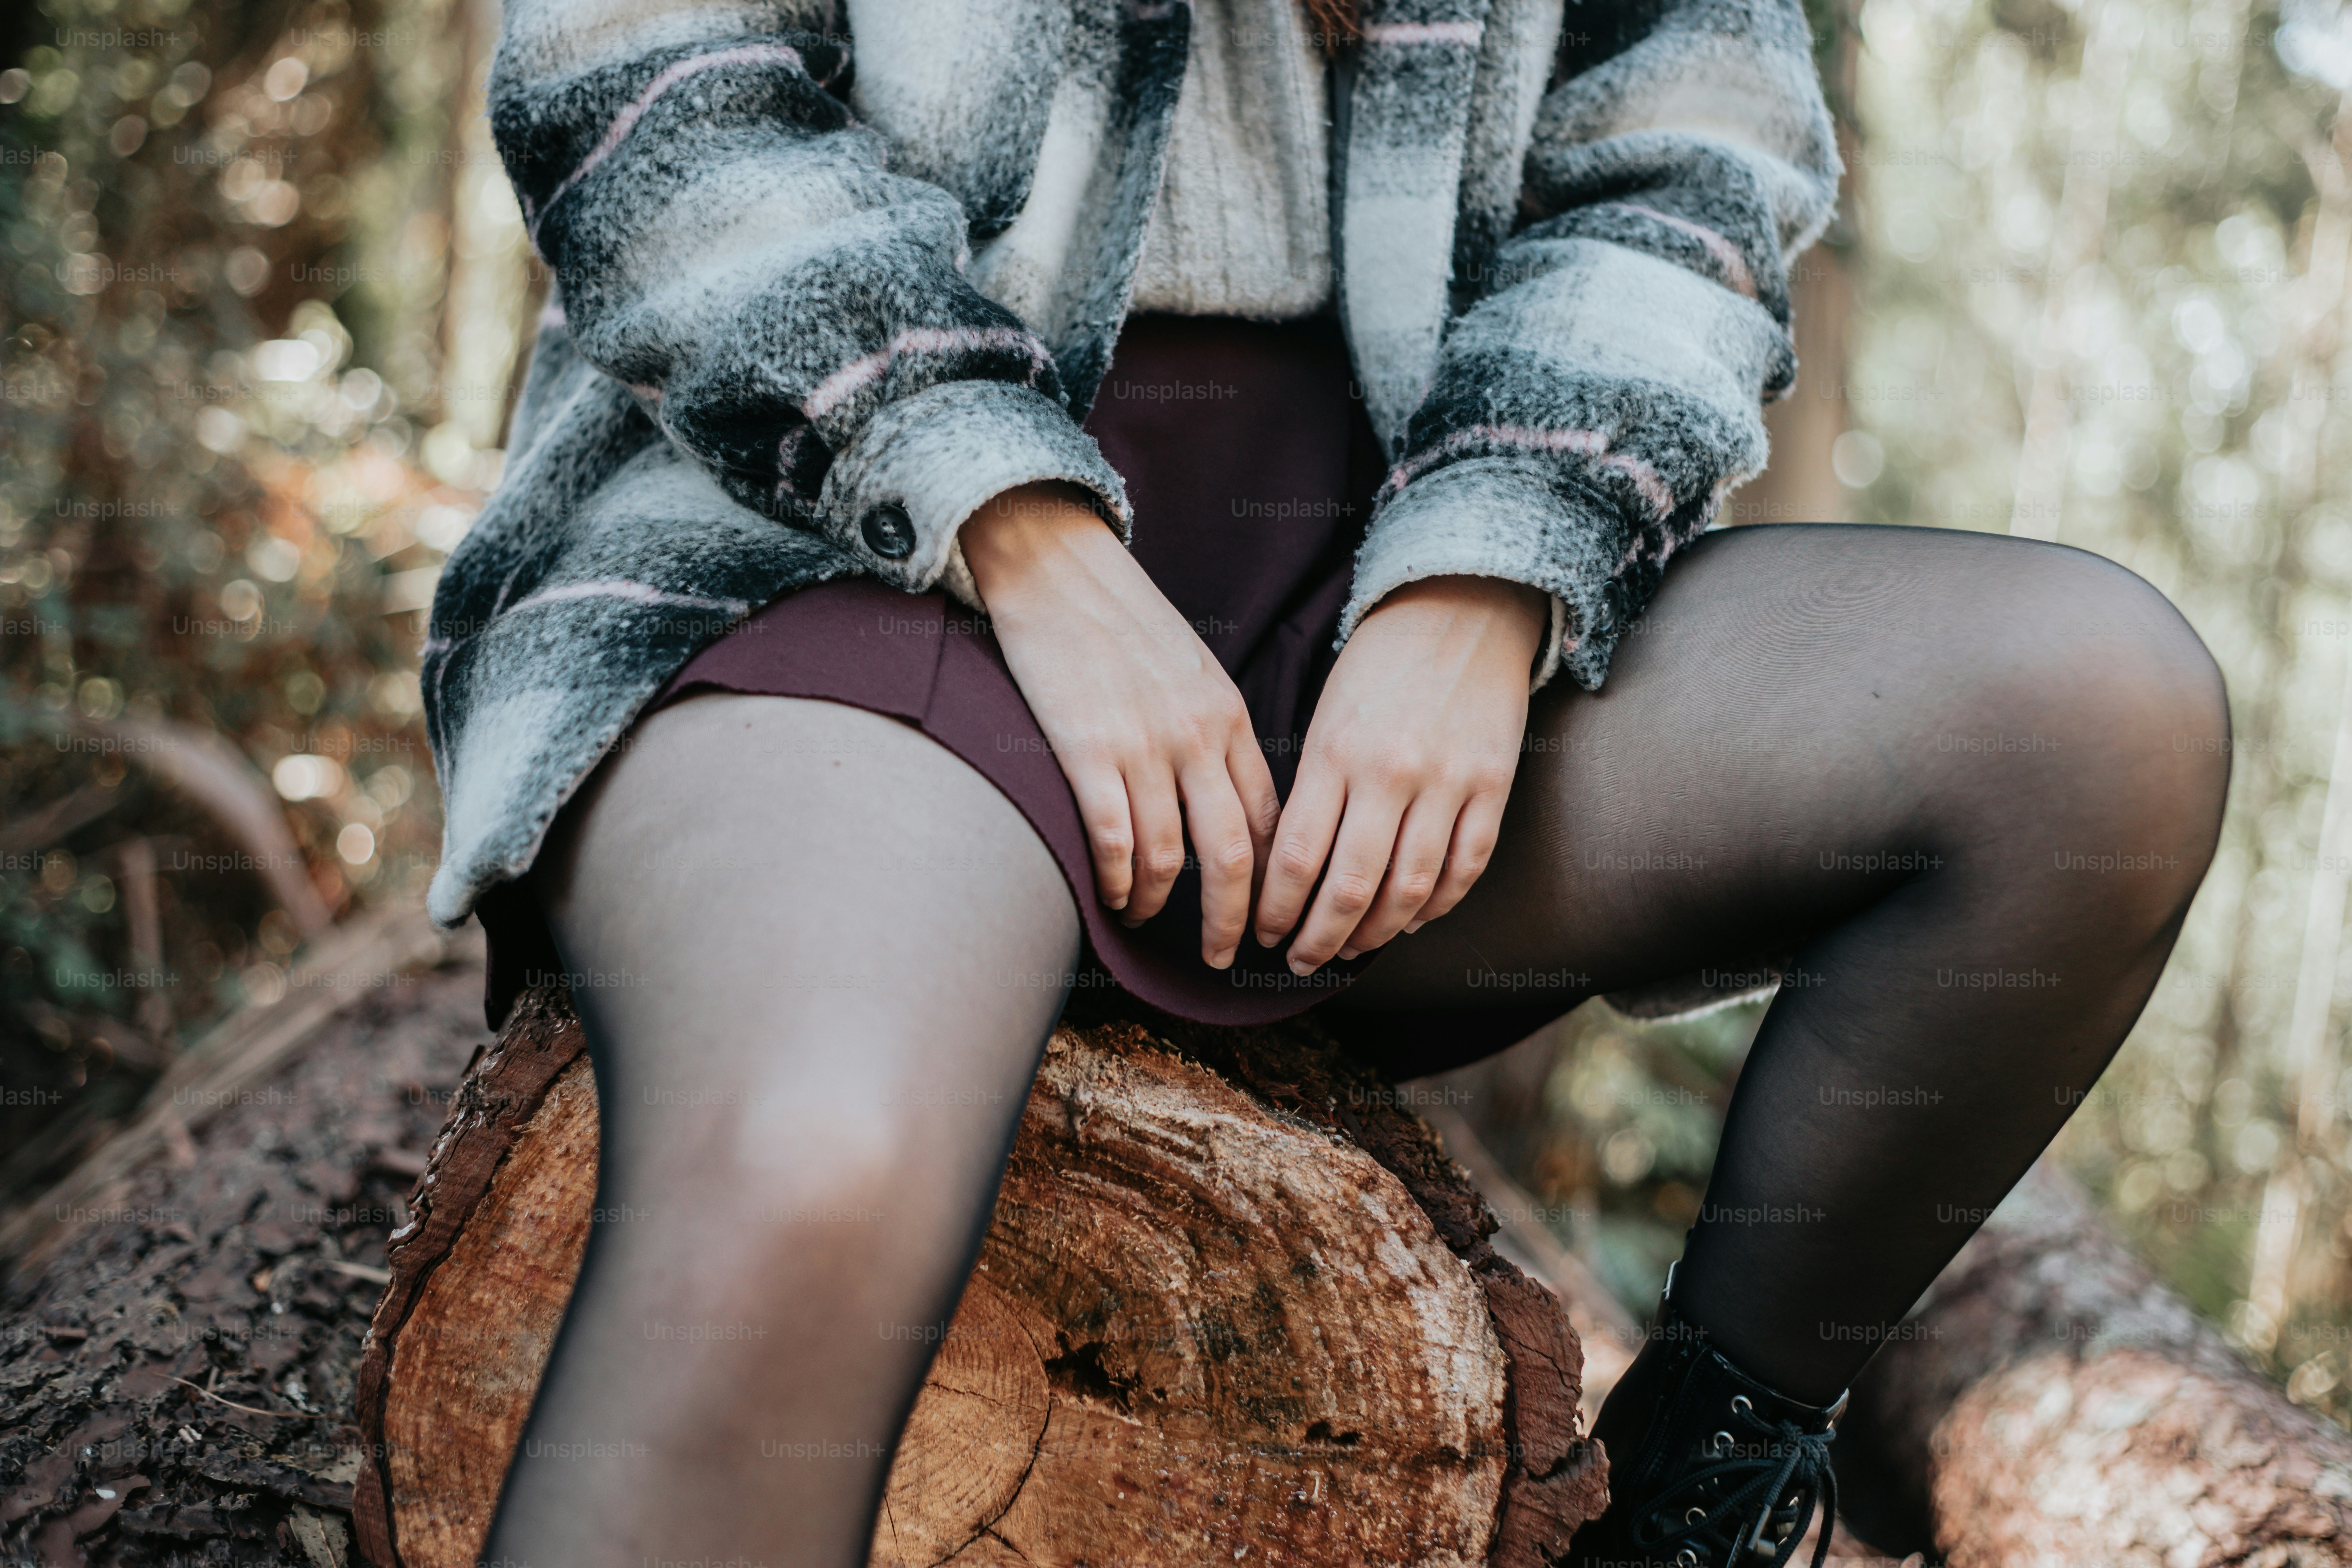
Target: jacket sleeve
{"points": [[729, 244], [1604, 388]]}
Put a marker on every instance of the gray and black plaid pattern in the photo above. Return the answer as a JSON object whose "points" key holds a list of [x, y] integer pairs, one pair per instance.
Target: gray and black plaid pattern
{"points": [[815, 305]]}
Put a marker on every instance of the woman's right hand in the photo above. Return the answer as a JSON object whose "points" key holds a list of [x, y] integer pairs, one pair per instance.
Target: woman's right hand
{"points": [[1149, 729]]}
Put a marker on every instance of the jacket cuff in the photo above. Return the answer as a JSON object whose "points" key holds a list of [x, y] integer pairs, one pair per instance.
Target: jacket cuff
{"points": [[1494, 517], [895, 497]]}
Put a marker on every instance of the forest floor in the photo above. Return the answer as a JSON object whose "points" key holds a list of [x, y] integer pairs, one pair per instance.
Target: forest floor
{"points": [[176, 1373]]}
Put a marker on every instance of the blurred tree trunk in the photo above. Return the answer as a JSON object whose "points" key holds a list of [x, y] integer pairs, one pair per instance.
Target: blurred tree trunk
{"points": [[1800, 485]]}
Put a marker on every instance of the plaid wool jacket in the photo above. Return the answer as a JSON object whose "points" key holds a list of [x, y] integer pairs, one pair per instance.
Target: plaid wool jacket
{"points": [[830, 277]]}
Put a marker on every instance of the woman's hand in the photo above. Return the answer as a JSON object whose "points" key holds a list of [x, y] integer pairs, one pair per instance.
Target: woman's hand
{"points": [[1407, 765], [1148, 727]]}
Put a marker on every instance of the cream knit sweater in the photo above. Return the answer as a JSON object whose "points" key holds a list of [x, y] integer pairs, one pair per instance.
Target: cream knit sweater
{"points": [[1242, 226]]}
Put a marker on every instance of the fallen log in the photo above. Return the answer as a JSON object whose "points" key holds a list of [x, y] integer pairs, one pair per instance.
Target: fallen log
{"points": [[177, 1377], [2052, 1403], [1234, 1300]]}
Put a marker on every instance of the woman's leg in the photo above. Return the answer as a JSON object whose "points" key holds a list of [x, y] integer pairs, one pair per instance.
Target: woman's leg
{"points": [[816, 956], [1969, 782]]}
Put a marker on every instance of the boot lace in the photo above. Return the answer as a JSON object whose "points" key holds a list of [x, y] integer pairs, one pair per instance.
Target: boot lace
{"points": [[1749, 1504]]}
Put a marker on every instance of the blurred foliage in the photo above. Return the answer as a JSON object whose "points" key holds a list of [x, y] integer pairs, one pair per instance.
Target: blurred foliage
{"points": [[2180, 356], [1637, 1108], [263, 292]]}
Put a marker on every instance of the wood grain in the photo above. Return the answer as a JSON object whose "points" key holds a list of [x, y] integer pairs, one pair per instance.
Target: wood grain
{"points": [[1234, 1305], [438, 1474]]}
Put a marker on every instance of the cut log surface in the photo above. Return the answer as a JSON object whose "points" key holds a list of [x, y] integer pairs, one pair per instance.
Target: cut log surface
{"points": [[1235, 1330], [1235, 1302], [1229, 1315], [2053, 1403]]}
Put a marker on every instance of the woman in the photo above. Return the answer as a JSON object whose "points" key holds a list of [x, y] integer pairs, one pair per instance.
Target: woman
{"points": [[1404, 347]]}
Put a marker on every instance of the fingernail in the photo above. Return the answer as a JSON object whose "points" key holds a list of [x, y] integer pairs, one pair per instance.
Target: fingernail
{"points": [[1118, 903], [1266, 939], [1223, 961], [1348, 952], [1413, 926], [1131, 923], [1300, 967]]}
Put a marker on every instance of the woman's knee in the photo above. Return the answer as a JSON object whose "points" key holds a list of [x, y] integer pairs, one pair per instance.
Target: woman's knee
{"points": [[2124, 756], [796, 1134]]}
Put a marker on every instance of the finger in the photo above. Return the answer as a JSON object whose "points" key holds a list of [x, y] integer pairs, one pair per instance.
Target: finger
{"points": [[1414, 867], [1360, 864], [1220, 832], [1302, 837], [1159, 839], [1475, 832], [1254, 783], [1110, 833]]}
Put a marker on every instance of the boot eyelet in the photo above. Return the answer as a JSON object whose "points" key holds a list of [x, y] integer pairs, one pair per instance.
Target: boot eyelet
{"points": [[1687, 1558], [1693, 1515], [1740, 1406], [1718, 1443]]}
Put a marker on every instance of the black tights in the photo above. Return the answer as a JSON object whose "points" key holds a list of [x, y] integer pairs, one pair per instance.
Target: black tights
{"points": [[1969, 782]]}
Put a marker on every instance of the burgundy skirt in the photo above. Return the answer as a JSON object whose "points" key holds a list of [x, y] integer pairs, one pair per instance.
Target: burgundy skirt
{"points": [[1251, 467]]}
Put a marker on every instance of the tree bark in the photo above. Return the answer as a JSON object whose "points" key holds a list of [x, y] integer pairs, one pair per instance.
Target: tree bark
{"points": [[481, 1275], [175, 1375]]}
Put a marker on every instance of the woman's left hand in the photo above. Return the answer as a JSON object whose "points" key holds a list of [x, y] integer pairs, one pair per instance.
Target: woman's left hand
{"points": [[1407, 761]]}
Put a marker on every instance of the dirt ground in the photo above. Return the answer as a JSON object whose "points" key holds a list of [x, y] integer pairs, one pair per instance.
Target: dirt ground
{"points": [[175, 1382]]}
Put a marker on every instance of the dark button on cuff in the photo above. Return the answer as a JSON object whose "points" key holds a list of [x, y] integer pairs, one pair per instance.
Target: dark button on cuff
{"points": [[890, 532]]}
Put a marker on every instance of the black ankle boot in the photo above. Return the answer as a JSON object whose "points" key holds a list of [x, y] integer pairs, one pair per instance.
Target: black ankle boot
{"points": [[1708, 1468]]}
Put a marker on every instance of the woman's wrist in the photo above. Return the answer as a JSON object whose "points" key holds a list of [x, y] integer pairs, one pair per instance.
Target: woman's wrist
{"points": [[1013, 538], [1511, 617]]}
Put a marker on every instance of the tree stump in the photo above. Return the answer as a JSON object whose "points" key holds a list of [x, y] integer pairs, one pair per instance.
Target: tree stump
{"points": [[1234, 1297]]}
